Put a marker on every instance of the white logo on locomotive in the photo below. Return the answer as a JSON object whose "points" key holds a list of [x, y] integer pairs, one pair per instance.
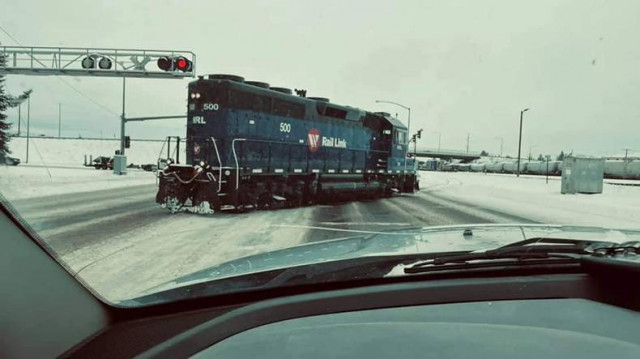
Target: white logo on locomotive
{"points": [[198, 120], [334, 142], [314, 139]]}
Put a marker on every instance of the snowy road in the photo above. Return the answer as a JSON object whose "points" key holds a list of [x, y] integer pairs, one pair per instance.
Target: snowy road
{"points": [[110, 235], [72, 222], [117, 239]]}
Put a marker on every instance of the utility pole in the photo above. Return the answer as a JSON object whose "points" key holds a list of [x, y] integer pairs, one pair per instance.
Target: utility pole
{"points": [[520, 141], [501, 144], [626, 153], [122, 119], [547, 172], [19, 117], [59, 118], [468, 143], [28, 125]]}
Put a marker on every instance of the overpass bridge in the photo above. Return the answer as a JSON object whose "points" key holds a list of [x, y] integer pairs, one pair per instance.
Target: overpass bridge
{"points": [[448, 155]]}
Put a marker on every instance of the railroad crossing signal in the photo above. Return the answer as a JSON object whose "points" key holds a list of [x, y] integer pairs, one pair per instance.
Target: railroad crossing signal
{"points": [[74, 61], [167, 63]]}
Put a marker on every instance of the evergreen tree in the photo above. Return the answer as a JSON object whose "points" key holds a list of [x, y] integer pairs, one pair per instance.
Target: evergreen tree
{"points": [[561, 156], [541, 158], [5, 103], [484, 153]]}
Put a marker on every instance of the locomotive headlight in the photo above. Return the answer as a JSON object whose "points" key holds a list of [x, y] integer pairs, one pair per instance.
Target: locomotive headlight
{"points": [[193, 95], [202, 163], [227, 172], [197, 94]]}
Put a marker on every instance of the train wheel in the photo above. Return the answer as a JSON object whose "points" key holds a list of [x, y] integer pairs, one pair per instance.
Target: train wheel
{"points": [[173, 204], [265, 201]]}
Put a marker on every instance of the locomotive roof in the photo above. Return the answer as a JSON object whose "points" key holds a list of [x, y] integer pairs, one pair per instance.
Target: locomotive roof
{"points": [[387, 117], [354, 113], [395, 122]]}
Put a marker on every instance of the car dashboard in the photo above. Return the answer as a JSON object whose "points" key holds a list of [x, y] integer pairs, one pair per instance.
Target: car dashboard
{"points": [[587, 311]]}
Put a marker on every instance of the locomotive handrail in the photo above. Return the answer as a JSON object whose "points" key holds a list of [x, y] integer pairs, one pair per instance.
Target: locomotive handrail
{"points": [[235, 157], [215, 146], [237, 165], [303, 144]]}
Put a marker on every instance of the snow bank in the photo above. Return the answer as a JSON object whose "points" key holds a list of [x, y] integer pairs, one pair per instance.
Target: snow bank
{"points": [[54, 151], [531, 197], [21, 182]]}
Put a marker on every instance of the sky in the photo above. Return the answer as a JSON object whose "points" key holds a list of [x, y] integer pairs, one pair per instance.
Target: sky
{"points": [[466, 68]]}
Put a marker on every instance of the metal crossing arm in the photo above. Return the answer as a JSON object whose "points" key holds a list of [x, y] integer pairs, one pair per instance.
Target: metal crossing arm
{"points": [[75, 61]]}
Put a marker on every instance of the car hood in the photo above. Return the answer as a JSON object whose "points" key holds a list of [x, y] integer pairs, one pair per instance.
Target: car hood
{"points": [[405, 242]]}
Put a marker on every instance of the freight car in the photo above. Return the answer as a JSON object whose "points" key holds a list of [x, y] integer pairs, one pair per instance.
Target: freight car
{"points": [[613, 168], [253, 145], [622, 169]]}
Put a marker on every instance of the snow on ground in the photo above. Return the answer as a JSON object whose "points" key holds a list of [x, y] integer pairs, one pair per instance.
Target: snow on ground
{"points": [[24, 181], [531, 197], [54, 151], [182, 244]]}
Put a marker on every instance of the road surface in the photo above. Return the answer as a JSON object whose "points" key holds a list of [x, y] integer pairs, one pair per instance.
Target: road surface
{"points": [[122, 242]]}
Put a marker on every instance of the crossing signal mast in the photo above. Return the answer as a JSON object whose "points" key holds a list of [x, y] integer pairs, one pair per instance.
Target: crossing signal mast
{"points": [[98, 62], [75, 61]]}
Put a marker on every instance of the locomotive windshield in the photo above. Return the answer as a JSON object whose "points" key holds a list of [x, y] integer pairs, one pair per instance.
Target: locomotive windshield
{"points": [[204, 141]]}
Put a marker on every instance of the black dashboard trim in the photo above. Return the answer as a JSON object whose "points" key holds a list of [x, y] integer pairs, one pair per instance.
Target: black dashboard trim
{"points": [[374, 297]]}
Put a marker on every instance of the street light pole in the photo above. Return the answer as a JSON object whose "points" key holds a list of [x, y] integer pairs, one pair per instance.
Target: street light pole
{"points": [[520, 141], [439, 137], [59, 118], [501, 144]]}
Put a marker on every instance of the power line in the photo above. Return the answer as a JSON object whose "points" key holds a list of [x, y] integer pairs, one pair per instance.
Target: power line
{"points": [[87, 97], [11, 37]]}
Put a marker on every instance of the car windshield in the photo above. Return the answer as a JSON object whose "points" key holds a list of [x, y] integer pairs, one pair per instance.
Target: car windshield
{"points": [[154, 145]]}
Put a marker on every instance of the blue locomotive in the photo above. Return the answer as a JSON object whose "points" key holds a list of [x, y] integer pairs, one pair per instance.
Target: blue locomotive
{"points": [[252, 145]]}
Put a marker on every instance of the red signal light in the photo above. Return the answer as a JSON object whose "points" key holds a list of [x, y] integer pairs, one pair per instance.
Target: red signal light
{"points": [[183, 64]]}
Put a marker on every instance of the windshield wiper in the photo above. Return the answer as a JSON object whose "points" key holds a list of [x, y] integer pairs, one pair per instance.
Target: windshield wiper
{"points": [[539, 251]]}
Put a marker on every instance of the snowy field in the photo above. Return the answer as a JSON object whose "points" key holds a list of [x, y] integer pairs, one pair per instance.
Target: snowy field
{"points": [[531, 197], [53, 151], [24, 181]]}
